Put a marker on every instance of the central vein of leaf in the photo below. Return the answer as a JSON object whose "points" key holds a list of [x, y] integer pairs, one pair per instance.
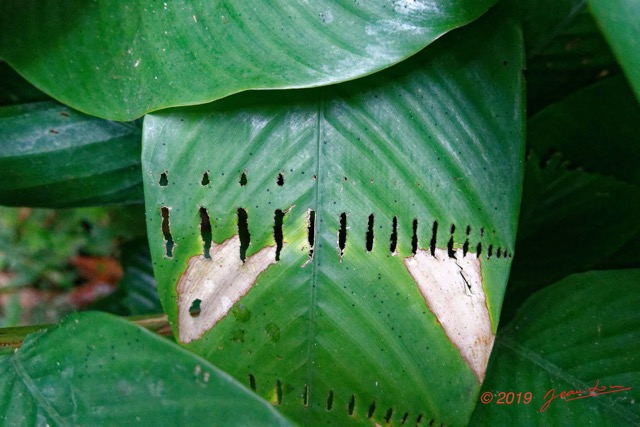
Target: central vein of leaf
{"points": [[312, 290]]}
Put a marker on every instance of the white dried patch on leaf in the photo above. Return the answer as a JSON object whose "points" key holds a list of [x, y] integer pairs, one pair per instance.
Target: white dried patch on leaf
{"points": [[218, 283], [454, 293]]}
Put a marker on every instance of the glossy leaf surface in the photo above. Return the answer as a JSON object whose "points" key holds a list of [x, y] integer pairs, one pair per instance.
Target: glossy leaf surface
{"points": [[52, 156], [306, 187], [579, 336], [96, 369], [122, 59]]}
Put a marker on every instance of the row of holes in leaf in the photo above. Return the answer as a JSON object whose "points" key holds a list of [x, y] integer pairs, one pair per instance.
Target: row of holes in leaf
{"points": [[350, 408], [164, 179], [245, 236]]}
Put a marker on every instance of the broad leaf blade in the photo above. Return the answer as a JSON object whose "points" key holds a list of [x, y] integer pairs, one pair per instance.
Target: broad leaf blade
{"points": [[52, 156], [433, 139], [122, 59], [579, 333], [95, 369]]}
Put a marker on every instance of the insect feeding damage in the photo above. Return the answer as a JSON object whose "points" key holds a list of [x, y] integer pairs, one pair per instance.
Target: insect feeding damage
{"points": [[218, 283], [452, 288]]}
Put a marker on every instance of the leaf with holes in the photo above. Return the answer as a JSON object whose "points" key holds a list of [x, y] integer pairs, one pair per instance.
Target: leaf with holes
{"points": [[97, 369], [122, 59], [52, 156], [570, 354], [345, 249]]}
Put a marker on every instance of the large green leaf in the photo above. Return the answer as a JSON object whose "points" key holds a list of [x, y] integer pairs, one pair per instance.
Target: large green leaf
{"points": [[95, 369], [337, 329], [580, 333], [118, 59], [621, 26], [52, 156]]}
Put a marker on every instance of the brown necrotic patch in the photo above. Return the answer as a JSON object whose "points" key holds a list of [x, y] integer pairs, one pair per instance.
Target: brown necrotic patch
{"points": [[218, 283], [452, 287]]}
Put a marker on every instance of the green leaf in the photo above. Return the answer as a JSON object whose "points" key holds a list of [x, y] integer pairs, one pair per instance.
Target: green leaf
{"points": [[619, 22], [580, 333], [52, 156], [121, 59], [95, 369], [337, 332]]}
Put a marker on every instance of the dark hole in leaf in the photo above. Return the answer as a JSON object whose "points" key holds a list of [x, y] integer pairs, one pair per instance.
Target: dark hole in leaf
{"points": [[372, 409], [342, 233], [194, 310], [404, 418], [330, 400], [450, 251], [280, 180], [305, 395], [311, 232], [278, 392], [478, 250], [434, 236], [205, 232], [205, 179], [166, 231], [252, 382], [419, 419], [490, 251], [482, 232], [498, 253], [370, 234], [393, 241], [388, 416], [243, 233], [277, 231], [352, 404], [414, 237], [243, 179], [468, 231], [164, 181]]}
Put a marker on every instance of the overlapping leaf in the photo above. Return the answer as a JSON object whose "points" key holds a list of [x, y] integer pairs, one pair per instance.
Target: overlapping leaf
{"points": [[95, 369], [118, 60], [336, 328], [53, 156], [578, 336]]}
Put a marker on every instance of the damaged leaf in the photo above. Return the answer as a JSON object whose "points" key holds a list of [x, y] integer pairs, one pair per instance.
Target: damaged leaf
{"points": [[363, 186]]}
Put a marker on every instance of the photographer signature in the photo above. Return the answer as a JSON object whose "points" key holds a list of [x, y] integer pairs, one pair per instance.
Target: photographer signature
{"points": [[569, 395]]}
